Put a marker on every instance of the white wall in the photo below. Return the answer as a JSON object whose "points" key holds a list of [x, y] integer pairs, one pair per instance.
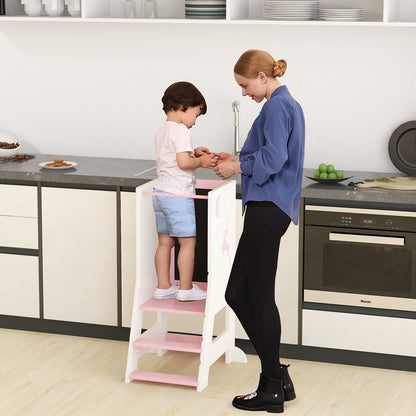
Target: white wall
{"points": [[94, 88]]}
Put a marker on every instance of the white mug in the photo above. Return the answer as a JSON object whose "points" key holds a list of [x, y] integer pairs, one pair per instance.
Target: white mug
{"points": [[74, 7], [54, 7], [32, 7]]}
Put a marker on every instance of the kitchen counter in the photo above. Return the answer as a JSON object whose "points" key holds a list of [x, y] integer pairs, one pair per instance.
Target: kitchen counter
{"points": [[342, 193], [98, 171]]}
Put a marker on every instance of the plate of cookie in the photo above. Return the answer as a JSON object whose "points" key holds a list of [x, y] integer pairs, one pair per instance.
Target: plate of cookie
{"points": [[58, 164]]}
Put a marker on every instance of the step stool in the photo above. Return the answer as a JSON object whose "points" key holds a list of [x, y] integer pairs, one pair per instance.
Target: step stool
{"points": [[221, 248]]}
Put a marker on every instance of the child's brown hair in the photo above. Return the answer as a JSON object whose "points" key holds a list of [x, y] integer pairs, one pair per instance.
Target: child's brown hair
{"points": [[182, 95]]}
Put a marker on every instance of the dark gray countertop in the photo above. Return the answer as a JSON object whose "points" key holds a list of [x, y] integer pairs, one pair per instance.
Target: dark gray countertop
{"points": [[342, 192], [100, 171]]}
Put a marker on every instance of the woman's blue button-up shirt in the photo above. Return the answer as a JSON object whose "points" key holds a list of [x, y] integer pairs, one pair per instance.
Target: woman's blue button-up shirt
{"points": [[272, 155]]}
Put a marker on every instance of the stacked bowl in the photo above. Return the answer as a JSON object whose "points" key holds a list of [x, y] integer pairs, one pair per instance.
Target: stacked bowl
{"points": [[205, 9]]}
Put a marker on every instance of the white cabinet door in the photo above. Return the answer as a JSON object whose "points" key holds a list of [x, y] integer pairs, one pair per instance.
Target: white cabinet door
{"points": [[128, 254], [287, 281], [19, 285], [287, 284], [79, 255]]}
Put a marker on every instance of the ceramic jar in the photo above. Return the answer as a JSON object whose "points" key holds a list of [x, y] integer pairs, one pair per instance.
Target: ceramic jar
{"points": [[32, 7], [54, 7]]}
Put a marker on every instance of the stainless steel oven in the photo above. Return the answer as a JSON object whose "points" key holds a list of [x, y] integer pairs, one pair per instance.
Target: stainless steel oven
{"points": [[360, 257]]}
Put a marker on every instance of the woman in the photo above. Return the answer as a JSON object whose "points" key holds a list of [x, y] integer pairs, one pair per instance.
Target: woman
{"points": [[271, 168]]}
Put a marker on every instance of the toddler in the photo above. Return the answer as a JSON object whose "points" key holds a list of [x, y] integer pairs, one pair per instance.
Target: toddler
{"points": [[176, 161]]}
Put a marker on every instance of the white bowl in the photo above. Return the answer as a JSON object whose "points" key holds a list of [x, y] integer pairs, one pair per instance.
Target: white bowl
{"points": [[8, 137]]}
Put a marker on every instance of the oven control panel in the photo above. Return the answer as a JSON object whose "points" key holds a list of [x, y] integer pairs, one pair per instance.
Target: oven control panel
{"points": [[360, 218]]}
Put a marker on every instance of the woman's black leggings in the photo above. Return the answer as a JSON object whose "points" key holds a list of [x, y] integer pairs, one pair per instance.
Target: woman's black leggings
{"points": [[251, 287]]}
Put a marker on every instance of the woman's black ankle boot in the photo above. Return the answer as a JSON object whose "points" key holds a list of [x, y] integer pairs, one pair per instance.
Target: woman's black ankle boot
{"points": [[269, 396], [288, 387]]}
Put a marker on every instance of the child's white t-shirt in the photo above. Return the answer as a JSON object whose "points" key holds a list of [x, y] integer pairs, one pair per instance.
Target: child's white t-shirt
{"points": [[173, 138]]}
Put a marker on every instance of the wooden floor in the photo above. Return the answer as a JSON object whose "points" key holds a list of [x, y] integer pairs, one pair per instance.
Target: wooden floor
{"points": [[56, 375]]}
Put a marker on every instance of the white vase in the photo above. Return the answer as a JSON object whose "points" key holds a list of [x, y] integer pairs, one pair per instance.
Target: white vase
{"points": [[74, 7], [32, 7], [54, 7]]}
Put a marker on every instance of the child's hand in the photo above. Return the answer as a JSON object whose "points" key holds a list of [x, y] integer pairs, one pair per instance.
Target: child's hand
{"points": [[200, 151], [207, 161]]}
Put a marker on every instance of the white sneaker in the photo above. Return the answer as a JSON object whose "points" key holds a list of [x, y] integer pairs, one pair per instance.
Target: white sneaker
{"points": [[196, 293], [166, 293]]}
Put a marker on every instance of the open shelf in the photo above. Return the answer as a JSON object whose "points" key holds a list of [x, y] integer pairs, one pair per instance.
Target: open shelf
{"points": [[376, 13]]}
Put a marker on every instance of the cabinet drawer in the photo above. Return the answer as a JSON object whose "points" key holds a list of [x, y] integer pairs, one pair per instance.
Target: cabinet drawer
{"points": [[20, 232], [18, 201], [378, 334], [19, 285]]}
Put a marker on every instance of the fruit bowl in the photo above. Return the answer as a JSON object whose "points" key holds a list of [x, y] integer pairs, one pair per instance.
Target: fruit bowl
{"points": [[8, 142], [326, 180]]}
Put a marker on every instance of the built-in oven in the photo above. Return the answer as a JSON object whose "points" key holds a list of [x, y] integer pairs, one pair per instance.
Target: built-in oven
{"points": [[359, 257]]}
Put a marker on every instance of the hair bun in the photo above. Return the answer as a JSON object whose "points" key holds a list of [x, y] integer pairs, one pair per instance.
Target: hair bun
{"points": [[279, 68]]}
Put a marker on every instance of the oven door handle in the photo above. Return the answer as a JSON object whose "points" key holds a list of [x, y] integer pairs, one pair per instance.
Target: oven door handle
{"points": [[368, 239]]}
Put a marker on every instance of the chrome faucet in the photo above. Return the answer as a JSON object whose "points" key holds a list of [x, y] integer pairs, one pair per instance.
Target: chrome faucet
{"points": [[237, 148]]}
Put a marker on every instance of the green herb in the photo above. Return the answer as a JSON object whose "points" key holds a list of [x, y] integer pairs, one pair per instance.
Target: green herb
{"points": [[369, 180], [384, 179]]}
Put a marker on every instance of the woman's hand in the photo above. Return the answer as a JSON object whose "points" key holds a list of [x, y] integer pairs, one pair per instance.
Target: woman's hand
{"points": [[200, 151], [227, 168], [224, 157]]}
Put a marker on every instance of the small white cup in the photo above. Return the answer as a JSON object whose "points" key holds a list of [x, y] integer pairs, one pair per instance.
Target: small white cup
{"points": [[32, 7], [54, 7]]}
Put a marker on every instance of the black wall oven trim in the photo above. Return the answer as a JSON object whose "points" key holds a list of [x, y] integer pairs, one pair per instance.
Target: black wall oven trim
{"points": [[357, 204], [359, 311]]}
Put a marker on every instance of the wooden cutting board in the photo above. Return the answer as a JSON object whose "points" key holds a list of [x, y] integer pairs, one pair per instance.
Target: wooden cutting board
{"points": [[404, 183]]}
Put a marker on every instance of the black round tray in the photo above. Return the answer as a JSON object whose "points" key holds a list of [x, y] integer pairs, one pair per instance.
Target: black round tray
{"points": [[402, 148]]}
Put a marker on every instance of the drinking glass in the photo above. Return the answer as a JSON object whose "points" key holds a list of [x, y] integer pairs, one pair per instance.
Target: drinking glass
{"points": [[149, 9], [74, 7], [129, 9]]}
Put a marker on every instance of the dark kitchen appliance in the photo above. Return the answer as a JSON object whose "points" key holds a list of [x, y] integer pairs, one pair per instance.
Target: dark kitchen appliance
{"points": [[359, 257], [402, 148], [2, 7]]}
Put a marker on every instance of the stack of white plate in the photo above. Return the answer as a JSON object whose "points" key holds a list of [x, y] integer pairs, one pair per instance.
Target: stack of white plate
{"points": [[291, 9], [205, 9], [341, 15]]}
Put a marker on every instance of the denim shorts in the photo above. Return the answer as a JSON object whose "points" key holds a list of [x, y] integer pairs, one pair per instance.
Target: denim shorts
{"points": [[174, 215]]}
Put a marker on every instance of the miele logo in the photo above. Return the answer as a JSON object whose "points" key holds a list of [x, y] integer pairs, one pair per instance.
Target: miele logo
{"points": [[365, 301]]}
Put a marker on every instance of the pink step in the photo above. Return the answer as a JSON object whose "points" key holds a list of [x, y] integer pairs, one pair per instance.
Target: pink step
{"points": [[173, 342], [174, 306], [164, 378]]}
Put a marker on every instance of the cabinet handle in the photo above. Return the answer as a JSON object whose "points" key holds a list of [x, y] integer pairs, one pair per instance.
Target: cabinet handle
{"points": [[368, 239]]}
